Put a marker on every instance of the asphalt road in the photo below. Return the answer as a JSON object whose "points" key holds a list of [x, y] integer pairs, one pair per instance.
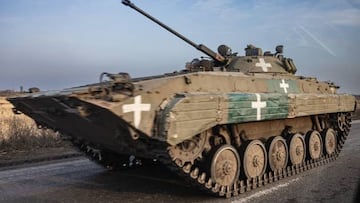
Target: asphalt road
{"points": [[79, 180]]}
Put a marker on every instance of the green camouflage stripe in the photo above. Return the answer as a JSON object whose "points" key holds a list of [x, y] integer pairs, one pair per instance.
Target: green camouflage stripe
{"points": [[253, 107]]}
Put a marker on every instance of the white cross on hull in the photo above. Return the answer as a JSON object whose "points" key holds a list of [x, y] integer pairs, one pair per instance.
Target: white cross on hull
{"points": [[137, 107], [258, 105], [284, 85]]}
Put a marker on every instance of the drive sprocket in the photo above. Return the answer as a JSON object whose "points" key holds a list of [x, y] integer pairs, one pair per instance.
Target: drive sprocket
{"points": [[190, 150]]}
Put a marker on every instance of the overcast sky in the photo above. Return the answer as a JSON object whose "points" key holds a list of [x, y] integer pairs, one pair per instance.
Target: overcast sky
{"points": [[55, 44]]}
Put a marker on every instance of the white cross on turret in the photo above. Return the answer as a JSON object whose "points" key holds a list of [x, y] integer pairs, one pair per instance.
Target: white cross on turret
{"points": [[284, 85], [258, 105], [137, 107], [263, 65]]}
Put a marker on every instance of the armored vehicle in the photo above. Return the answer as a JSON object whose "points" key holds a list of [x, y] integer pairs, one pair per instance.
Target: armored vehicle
{"points": [[227, 124]]}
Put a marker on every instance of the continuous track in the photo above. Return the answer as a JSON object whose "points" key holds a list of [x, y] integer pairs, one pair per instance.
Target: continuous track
{"points": [[196, 173], [202, 180]]}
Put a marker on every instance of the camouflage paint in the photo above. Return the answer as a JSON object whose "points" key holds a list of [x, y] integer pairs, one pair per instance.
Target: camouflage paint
{"points": [[242, 107], [278, 86]]}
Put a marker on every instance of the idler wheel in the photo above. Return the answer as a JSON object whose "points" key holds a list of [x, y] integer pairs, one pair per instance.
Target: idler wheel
{"points": [[297, 148], [330, 141], [225, 165], [314, 144], [342, 121], [277, 153], [255, 159]]}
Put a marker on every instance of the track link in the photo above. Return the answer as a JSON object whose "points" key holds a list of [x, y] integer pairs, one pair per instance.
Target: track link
{"points": [[194, 173], [191, 171]]}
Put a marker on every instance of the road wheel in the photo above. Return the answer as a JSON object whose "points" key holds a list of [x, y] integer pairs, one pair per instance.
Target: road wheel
{"points": [[255, 159], [314, 144], [277, 153], [297, 148], [225, 165], [330, 141]]}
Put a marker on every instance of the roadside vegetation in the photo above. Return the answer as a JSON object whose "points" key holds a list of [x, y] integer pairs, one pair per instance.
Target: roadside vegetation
{"points": [[19, 132]]}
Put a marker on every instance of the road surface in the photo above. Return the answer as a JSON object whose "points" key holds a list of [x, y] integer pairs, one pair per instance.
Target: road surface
{"points": [[79, 180]]}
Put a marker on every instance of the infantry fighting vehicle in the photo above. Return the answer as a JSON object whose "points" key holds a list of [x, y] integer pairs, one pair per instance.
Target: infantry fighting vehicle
{"points": [[227, 124]]}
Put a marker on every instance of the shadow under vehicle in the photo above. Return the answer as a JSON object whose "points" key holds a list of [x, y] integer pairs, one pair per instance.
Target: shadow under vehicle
{"points": [[228, 124]]}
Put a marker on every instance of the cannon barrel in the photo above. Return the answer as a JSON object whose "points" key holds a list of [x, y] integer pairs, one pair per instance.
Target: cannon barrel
{"points": [[199, 47]]}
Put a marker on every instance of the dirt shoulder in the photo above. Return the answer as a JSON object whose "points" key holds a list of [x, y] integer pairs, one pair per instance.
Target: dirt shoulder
{"points": [[18, 157]]}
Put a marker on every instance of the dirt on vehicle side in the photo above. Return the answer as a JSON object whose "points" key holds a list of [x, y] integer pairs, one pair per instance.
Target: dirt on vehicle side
{"points": [[226, 123]]}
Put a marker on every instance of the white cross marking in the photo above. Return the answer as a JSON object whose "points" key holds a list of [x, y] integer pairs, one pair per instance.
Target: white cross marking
{"points": [[284, 85], [258, 105], [263, 65], [137, 107]]}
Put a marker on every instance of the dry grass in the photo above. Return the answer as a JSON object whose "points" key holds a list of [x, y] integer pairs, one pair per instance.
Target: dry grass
{"points": [[19, 132]]}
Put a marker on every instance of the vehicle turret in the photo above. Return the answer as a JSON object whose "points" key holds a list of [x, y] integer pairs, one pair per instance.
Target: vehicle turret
{"points": [[227, 125], [253, 61]]}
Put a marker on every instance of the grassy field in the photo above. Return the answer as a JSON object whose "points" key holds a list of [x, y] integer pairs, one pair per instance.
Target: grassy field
{"points": [[19, 132]]}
